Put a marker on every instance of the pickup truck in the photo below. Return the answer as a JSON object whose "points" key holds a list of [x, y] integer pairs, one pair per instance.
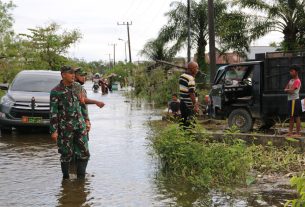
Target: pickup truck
{"points": [[254, 90]]}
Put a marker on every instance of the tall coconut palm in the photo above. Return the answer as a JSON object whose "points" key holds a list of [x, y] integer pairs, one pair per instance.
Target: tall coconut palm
{"points": [[155, 49], [287, 16], [235, 30]]}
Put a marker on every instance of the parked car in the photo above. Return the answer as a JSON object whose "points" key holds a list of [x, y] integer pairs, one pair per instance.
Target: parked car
{"points": [[27, 101], [245, 92]]}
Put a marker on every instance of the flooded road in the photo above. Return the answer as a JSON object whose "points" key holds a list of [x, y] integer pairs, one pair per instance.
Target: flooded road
{"points": [[121, 171]]}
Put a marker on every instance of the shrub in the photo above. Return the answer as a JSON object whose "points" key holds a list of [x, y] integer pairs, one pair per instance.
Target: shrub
{"points": [[199, 161]]}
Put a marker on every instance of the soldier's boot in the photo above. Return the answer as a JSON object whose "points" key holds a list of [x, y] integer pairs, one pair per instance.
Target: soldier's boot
{"points": [[81, 166], [65, 169]]}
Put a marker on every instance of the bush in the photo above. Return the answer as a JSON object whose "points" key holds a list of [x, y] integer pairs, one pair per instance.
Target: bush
{"points": [[299, 184], [156, 86], [206, 162], [200, 161]]}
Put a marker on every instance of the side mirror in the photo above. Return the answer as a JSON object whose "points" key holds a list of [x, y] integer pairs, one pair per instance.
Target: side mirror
{"points": [[4, 86], [228, 82]]}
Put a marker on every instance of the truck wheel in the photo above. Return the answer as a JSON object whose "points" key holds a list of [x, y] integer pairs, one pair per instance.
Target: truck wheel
{"points": [[242, 119]]}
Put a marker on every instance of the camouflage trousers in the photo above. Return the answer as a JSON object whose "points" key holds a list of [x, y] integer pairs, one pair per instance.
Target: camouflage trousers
{"points": [[73, 144]]}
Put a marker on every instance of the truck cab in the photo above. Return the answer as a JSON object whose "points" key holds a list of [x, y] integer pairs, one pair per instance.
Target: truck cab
{"points": [[245, 92], [236, 94]]}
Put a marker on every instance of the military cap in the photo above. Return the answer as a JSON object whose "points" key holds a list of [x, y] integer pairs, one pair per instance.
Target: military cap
{"points": [[67, 69], [80, 71]]}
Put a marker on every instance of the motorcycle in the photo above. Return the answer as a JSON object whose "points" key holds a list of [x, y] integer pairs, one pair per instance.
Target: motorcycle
{"points": [[95, 88]]}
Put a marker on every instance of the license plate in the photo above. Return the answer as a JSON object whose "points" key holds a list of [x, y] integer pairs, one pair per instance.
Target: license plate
{"points": [[31, 120]]}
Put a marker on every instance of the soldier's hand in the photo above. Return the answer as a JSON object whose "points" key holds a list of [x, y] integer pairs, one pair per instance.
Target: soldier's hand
{"points": [[54, 136], [100, 104]]}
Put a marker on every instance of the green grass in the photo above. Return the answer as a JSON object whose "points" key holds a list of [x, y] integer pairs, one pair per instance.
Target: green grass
{"points": [[203, 162]]}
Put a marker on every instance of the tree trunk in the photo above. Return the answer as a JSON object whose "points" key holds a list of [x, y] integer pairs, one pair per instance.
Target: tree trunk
{"points": [[290, 38], [202, 43]]}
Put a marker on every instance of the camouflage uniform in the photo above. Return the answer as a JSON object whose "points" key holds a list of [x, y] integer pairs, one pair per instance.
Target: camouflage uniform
{"points": [[68, 119]]}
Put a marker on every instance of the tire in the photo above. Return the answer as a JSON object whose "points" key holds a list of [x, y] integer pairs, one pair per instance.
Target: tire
{"points": [[242, 119], [6, 129]]}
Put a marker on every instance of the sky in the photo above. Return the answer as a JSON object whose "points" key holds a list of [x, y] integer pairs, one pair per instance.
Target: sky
{"points": [[97, 21]]}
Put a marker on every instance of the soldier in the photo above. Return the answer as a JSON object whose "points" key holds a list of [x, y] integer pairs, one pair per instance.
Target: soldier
{"points": [[69, 124], [80, 77]]}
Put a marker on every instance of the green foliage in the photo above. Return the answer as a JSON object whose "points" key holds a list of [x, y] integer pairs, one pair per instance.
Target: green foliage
{"points": [[299, 184], [206, 162], [6, 24], [121, 72], [234, 29], [157, 49], [286, 17], [156, 86], [270, 159], [199, 160], [44, 47]]}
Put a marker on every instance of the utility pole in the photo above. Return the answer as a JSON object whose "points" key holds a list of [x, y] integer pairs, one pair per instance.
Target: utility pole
{"points": [[125, 49], [113, 53], [128, 34], [188, 30], [212, 40], [109, 59]]}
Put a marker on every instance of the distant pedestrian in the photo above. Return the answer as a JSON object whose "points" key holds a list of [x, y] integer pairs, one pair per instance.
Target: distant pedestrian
{"points": [[68, 123], [294, 102], [187, 86]]}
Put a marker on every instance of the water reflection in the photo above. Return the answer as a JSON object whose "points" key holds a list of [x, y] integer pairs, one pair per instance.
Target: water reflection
{"points": [[121, 171], [73, 193], [179, 193], [173, 191]]}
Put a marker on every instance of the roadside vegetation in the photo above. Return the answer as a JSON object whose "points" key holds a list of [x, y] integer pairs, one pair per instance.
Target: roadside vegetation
{"points": [[40, 48], [206, 163]]}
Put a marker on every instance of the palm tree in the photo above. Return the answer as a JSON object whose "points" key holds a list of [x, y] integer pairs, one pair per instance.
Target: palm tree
{"points": [[234, 30], [287, 16], [155, 49]]}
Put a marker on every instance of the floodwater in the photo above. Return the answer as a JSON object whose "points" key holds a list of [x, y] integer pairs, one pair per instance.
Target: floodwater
{"points": [[121, 171]]}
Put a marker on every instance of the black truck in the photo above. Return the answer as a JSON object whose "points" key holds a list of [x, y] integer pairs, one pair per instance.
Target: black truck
{"points": [[254, 90]]}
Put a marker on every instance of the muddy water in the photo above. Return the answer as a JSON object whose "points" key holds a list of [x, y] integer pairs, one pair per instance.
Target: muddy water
{"points": [[121, 171]]}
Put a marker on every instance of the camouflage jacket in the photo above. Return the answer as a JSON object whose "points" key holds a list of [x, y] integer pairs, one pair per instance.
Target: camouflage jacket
{"points": [[66, 112], [81, 90]]}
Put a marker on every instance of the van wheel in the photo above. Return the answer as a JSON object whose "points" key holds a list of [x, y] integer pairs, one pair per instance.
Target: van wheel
{"points": [[242, 119], [5, 129]]}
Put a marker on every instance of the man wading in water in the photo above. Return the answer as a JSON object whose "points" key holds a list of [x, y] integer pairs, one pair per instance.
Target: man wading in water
{"points": [[188, 104], [69, 124]]}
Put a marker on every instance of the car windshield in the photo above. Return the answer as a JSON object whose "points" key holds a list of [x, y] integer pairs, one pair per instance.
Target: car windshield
{"points": [[35, 82], [236, 73], [219, 73]]}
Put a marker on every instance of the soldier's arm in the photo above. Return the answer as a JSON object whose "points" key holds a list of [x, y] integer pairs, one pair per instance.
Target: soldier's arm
{"points": [[83, 105], [91, 101], [53, 112]]}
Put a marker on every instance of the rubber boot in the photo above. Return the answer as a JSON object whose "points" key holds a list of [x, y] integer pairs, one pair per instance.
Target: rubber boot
{"points": [[65, 169], [81, 166]]}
